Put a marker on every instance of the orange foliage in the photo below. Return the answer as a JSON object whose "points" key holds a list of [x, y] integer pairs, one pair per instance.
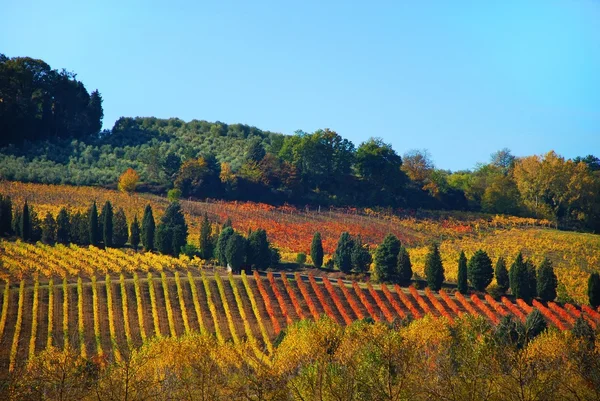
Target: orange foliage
{"points": [[128, 180]]}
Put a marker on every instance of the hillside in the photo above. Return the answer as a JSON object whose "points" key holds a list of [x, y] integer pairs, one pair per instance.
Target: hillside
{"points": [[109, 301], [574, 255]]}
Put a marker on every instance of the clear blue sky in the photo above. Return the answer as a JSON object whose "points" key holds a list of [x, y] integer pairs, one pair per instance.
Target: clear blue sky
{"points": [[461, 79]]}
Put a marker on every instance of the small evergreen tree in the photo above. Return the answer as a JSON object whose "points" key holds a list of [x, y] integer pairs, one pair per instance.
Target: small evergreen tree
{"points": [[206, 240], [107, 224], [275, 257], [463, 286], [343, 253], [25, 223], [434, 269], [316, 250], [80, 229], [63, 226], [546, 281], [222, 244], [259, 255], [134, 233], [235, 252], [6, 215], [519, 279], [16, 223], [480, 271], [386, 259], [36, 225], [164, 240], [148, 229], [404, 273], [171, 233], [501, 275], [49, 229], [94, 233], [532, 278], [120, 230], [361, 257], [594, 290]]}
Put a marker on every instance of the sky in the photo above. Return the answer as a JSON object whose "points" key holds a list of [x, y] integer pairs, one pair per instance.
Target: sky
{"points": [[461, 79]]}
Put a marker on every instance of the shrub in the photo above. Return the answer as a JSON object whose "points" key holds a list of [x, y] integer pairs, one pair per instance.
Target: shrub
{"points": [[301, 258]]}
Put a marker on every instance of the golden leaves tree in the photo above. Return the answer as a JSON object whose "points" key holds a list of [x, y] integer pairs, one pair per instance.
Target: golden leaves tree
{"points": [[128, 180]]}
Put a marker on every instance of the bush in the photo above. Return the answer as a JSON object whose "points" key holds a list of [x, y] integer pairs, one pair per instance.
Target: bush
{"points": [[301, 258], [174, 194], [189, 250]]}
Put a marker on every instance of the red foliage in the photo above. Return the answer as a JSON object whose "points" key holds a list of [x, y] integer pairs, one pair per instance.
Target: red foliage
{"points": [[512, 307], [279, 297], [575, 312], [483, 307], [365, 301], [463, 301], [561, 312], [591, 312], [393, 301], [307, 297], [382, 306], [497, 307], [419, 300], [292, 296], [549, 315], [528, 309], [407, 302], [321, 297], [336, 300], [438, 305], [267, 301], [350, 299], [450, 302]]}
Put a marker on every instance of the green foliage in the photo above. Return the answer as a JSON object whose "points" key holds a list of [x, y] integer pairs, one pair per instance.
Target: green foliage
{"points": [[171, 233], [480, 271], [94, 230], [343, 253], [107, 224], [519, 279], [221, 255], [134, 233], [148, 229], [594, 290], [583, 330], [259, 255], [405, 272], [386, 259], [6, 215], [120, 230], [316, 250], [301, 258], [501, 274], [80, 228], [532, 276], [189, 250], [25, 224], [434, 269], [63, 226], [235, 252], [535, 324], [463, 285], [206, 242], [49, 229], [275, 257], [361, 257], [174, 194], [546, 281]]}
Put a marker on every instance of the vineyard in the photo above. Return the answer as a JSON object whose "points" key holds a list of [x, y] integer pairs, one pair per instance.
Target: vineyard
{"points": [[102, 303]]}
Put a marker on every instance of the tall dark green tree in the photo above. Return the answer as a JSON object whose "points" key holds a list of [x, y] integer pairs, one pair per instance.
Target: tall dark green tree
{"points": [[480, 271], [463, 285], [134, 233], [594, 290], [434, 269], [222, 244], [235, 252], [16, 222], [36, 225], [63, 226], [532, 276], [49, 229], [546, 281], [502, 275], [342, 258], [120, 230], [316, 250], [6, 215], [519, 279], [148, 229], [405, 272], [258, 253], [25, 223], [107, 224], [171, 233], [386, 259], [80, 228], [361, 257], [94, 231], [206, 239]]}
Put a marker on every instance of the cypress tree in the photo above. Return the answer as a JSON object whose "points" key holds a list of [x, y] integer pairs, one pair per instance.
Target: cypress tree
{"points": [[501, 275], [222, 244], [107, 224], [546, 281], [258, 255], [206, 240], [172, 233], [49, 229], [134, 233], [594, 290], [405, 272], [316, 250], [434, 269], [25, 223], [386, 259], [342, 257], [63, 226], [5, 215], [164, 240], [36, 225], [532, 278], [94, 233], [463, 286], [16, 223], [361, 257], [120, 230], [148, 229], [480, 271], [235, 252], [519, 279]]}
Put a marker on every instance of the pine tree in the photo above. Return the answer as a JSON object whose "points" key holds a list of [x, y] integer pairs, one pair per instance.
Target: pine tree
{"points": [[25, 223], [519, 279], [148, 229], [258, 253], [342, 258], [36, 225], [107, 224], [94, 233], [386, 259], [361, 257], [63, 226], [532, 278], [480, 271], [434, 269], [222, 244], [235, 252], [120, 230], [134, 233], [206, 240], [171, 233], [463, 286], [164, 240], [404, 272], [501, 275], [594, 290], [49, 229], [5, 215], [546, 281], [316, 250]]}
